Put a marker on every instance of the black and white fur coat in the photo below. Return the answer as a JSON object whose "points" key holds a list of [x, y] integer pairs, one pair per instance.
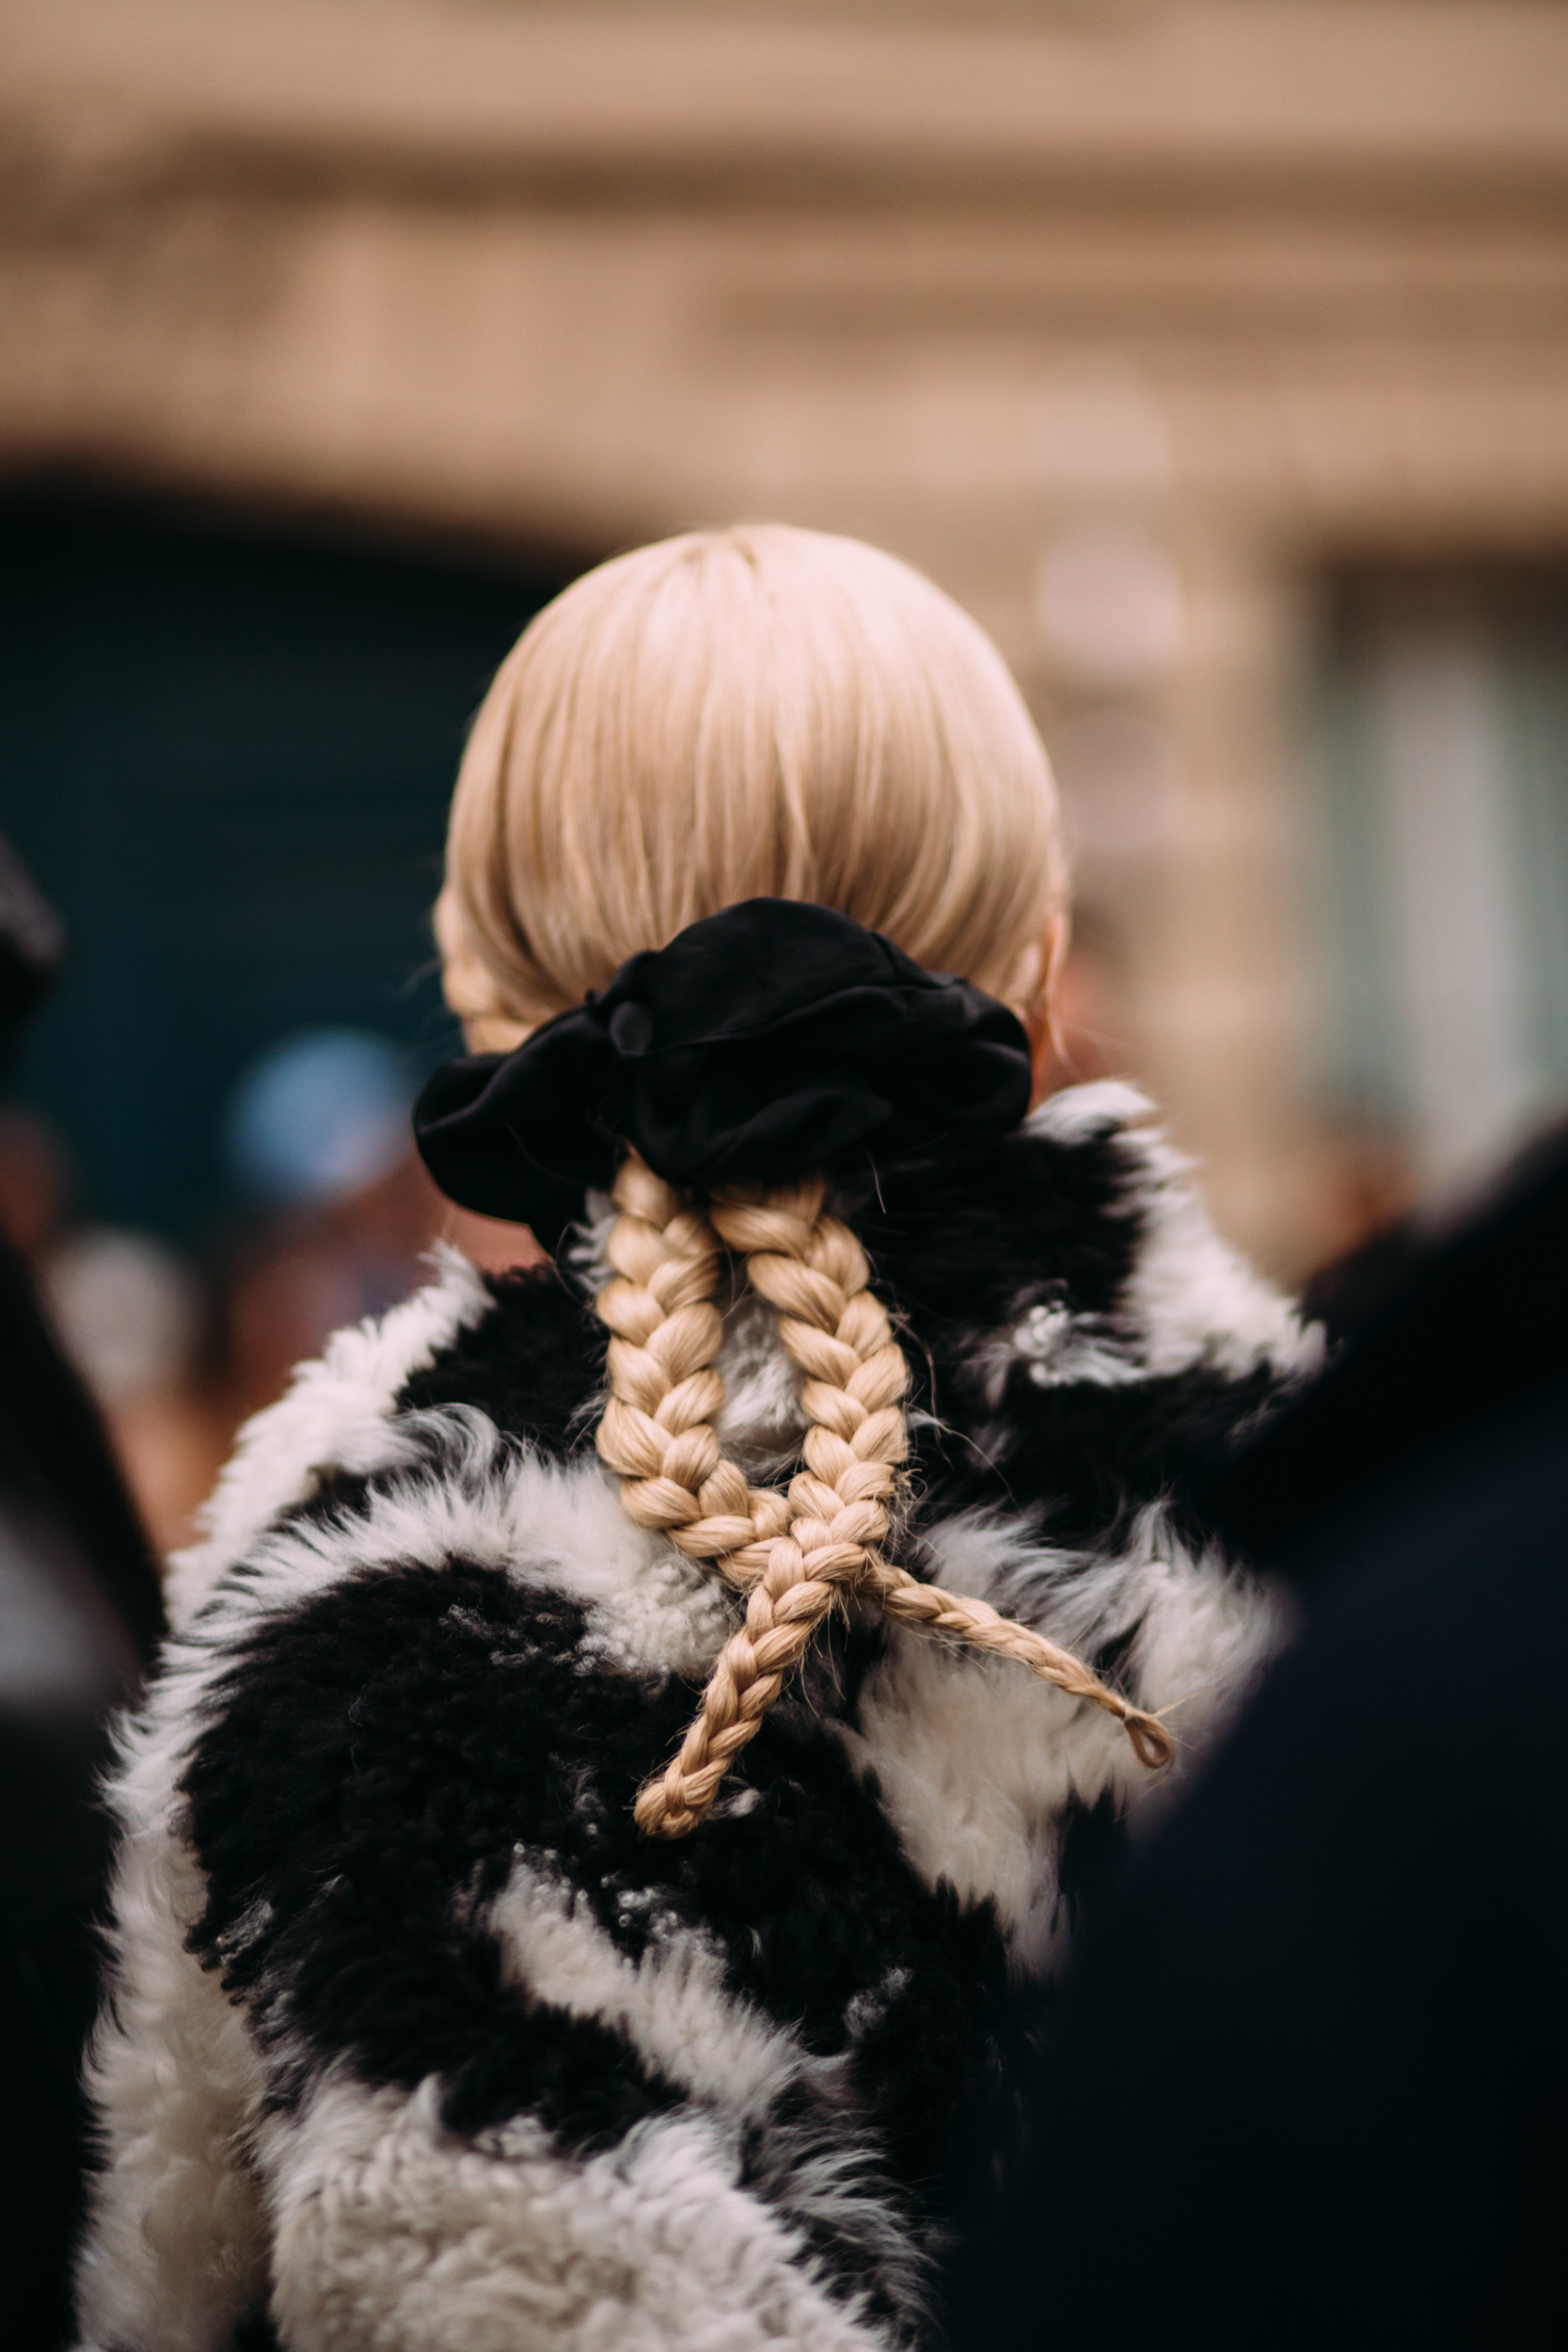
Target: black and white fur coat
{"points": [[416, 2042]]}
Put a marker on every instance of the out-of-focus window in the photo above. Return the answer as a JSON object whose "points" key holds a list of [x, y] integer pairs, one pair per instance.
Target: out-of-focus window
{"points": [[1440, 775]]}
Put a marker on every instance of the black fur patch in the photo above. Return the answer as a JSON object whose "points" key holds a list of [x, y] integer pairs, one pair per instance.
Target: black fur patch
{"points": [[533, 1364], [956, 1247], [1091, 1857], [256, 2333], [378, 1761], [953, 1243], [359, 1792], [1082, 1459]]}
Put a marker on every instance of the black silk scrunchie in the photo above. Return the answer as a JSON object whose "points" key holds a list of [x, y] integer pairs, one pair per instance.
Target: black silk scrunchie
{"points": [[761, 1042]]}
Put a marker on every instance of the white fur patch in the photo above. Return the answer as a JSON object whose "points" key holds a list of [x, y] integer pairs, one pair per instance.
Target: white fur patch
{"points": [[973, 1759], [333, 1416], [977, 1759], [389, 2234], [175, 2251], [670, 2004], [1076, 1113], [469, 1493], [1060, 1348], [672, 2007], [1190, 1299], [588, 1249], [761, 1423]]}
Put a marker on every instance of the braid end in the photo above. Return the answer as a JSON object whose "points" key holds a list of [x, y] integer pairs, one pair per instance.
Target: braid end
{"points": [[657, 1815], [1152, 1744]]}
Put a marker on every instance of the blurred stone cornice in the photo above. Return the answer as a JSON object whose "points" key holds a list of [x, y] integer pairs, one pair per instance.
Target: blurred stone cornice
{"points": [[642, 102]]}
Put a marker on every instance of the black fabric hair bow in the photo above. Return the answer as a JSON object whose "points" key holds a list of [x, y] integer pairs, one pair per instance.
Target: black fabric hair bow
{"points": [[763, 1041]]}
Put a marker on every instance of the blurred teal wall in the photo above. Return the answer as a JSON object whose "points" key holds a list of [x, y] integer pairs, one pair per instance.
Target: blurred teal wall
{"points": [[226, 755]]}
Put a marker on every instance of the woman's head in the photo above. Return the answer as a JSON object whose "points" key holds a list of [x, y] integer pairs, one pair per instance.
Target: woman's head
{"points": [[758, 712]]}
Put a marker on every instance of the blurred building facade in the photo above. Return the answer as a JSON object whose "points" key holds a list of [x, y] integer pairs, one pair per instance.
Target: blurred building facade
{"points": [[1193, 344]]}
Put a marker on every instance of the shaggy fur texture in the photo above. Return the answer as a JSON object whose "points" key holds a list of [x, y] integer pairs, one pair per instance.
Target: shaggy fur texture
{"points": [[416, 2041]]}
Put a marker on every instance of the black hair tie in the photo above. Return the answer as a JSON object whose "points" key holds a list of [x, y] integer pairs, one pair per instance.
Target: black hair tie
{"points": [[763, 1041]]}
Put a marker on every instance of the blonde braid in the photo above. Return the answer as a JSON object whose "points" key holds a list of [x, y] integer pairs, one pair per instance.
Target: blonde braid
{"points": [[812, 1270], [795, 1257], [657, 1431]]}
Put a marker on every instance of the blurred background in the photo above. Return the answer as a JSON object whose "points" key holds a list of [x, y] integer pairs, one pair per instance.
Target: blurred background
{"points": [[1213, 351]]}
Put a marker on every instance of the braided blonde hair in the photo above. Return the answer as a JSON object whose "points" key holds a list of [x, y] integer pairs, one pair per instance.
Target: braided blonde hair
{"points": [[792, 1556]]}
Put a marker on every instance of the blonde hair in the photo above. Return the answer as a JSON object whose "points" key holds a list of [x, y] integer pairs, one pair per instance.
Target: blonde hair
{"points": [[759, 712], [755, 712]]}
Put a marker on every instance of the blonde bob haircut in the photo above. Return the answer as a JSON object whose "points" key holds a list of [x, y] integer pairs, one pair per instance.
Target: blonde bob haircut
{"points": [[737, 714], [757, 712]]}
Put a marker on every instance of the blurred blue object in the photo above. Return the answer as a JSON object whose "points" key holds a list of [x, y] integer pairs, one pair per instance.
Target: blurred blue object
{"points": [[322, 1115]]}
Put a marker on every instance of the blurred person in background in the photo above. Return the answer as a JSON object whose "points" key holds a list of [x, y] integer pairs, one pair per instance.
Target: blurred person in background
{"points": [[333, 1220], [478, 1982], [1318, 2042], [80, 1613], [131, 1314], [337, 1215], [337, 1210]]}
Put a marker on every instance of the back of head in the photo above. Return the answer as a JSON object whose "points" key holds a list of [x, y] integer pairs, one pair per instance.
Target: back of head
{"points": [[753, 714], [757, 712]]}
